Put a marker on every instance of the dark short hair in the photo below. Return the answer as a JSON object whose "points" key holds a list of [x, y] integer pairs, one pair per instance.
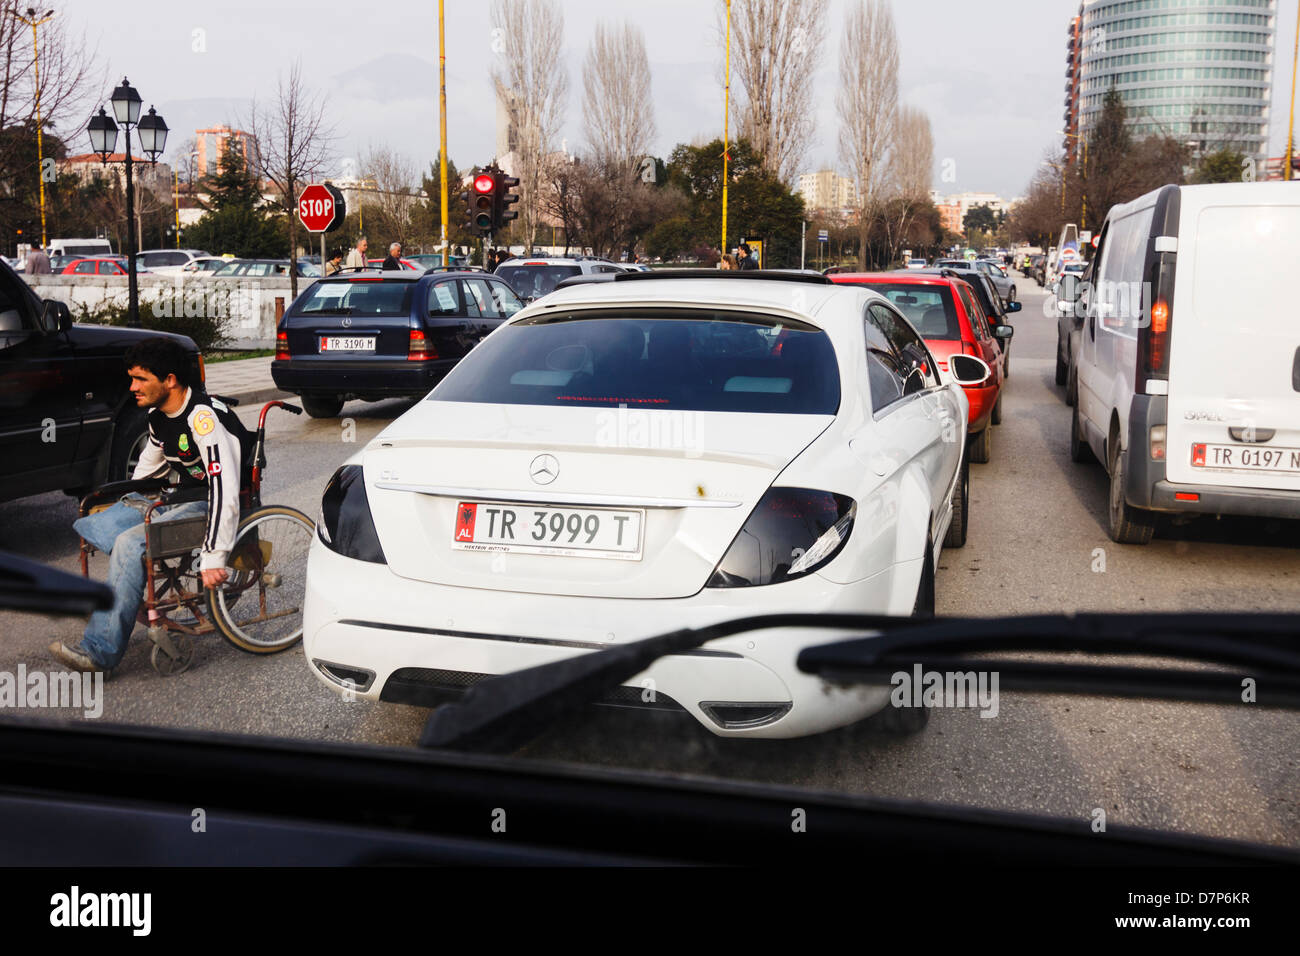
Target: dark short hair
{"points": [[161, 357], [745, 246]]}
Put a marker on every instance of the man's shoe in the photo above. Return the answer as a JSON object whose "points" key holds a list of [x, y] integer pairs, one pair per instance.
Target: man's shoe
{"points": [[74, 659]]}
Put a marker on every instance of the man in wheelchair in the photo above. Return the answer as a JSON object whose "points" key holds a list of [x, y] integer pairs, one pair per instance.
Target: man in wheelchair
{"points": [[203, 444]]}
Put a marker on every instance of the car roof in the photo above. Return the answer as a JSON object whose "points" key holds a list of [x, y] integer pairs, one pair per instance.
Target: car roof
{"points": [[795, 294], [908, 277], [405, 275]]}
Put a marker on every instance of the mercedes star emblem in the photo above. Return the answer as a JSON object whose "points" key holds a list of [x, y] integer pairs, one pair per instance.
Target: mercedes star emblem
{"points": [[544, 469], [347, 323]]}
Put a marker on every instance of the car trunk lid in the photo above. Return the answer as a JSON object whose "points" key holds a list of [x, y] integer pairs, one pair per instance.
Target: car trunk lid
{"points": [[694, 477]]}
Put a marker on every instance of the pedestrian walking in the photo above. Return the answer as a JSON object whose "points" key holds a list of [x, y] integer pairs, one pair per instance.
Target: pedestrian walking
{"points": [[745, 258], [394, 260], [38, 263], [357, 257], [334, 265]]}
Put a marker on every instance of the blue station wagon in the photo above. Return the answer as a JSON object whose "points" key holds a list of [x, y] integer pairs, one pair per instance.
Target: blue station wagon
{"points": [[376, 335]]}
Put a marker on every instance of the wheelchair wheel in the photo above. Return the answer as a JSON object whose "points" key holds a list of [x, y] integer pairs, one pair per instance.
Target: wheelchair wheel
{"points": [[259, 609]]}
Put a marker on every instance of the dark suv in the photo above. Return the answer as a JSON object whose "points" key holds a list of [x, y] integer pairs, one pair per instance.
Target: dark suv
{"points": [[67, 418], [375, 335]]}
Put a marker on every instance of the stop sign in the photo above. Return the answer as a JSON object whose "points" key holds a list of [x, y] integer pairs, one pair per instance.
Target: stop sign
{"points": [[321, 208]]}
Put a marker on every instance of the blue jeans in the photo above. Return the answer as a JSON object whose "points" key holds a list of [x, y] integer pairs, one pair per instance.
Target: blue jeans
{"points": [[119, 530]]}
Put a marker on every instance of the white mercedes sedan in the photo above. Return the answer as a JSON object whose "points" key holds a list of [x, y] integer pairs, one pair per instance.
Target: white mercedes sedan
{"points": [[627, 458]]}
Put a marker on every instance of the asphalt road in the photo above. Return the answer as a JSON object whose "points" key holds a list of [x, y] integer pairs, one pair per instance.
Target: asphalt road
{"points": [[1037, 544]]}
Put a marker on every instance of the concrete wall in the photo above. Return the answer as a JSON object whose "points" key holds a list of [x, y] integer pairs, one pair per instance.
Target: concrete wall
{"points": [[248, 308]]}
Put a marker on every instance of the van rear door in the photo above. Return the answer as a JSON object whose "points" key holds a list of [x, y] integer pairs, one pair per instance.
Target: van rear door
{"points": [[1234, 364]]}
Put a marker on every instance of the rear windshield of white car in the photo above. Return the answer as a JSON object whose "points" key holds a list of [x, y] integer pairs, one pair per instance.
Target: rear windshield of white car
{"points": [[531, 282], [356, 297], [689, 360], [930, 309]]}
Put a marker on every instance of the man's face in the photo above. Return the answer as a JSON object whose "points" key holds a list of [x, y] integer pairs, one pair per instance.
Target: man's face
{"points": [[149, 392], [363, 245]]}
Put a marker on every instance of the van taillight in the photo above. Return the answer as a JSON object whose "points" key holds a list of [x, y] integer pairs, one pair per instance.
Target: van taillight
{"points": [[1158, 337], [420, 349], [282, 346]]}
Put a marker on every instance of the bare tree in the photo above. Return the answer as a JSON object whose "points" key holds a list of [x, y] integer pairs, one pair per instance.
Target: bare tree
{"points": [[395, 194], [70, 78], [533, 82], [867, 102], [291, 144], [618, 110], [909, 176], [776, 45], [69, 68]]}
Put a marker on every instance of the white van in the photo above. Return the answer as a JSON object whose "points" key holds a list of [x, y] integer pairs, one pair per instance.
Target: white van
{"points": [[1188, 363], [86, 248]]}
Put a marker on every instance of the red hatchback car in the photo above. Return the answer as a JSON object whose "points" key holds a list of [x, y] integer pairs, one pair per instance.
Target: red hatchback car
{"points": [[101, 266], [949, 318]]}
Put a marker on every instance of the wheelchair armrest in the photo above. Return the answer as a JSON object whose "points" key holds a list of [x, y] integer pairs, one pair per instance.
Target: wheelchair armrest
{"points": [[182, 495], [116, 489]]}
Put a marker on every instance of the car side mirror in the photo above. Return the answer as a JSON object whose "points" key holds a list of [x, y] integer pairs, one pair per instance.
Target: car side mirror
{"points": [[55, 317], [1013, 306], [969, 370], [1069, 288], [1003, 331]]}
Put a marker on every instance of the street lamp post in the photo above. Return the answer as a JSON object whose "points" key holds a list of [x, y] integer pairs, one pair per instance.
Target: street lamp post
{"points": [[103, 140], [33, 21], [1083, 215]]}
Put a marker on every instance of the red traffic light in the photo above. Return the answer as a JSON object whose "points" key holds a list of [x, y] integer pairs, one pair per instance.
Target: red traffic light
{"points": [[484, 183]]}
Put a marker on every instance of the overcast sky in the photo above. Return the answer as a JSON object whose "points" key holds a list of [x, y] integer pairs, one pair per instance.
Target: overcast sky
{"points": [[990, 74]]}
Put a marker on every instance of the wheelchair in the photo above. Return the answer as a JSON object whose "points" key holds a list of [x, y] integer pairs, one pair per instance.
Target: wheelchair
{"points": [[259, 608]]}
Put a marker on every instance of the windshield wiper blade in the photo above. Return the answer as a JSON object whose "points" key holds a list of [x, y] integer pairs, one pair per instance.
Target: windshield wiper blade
{"points": [[503, 713], [1259, 647]]}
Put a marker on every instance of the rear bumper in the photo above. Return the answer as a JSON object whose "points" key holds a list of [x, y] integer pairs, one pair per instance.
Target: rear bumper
{"points": [[363, 618], [981, 401], [396, 377], [1147, 486]]}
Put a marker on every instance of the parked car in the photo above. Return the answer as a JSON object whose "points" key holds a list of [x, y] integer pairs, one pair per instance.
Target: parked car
{"points": [[1037, 266], [536, 276], [115, 266], [206, 265], [167, 261], [990, 304], [519, 501], [1003, 283], [433, 260], [1188, 377], [381, 335], [945, 312], [916, 263], [407, 264], [67, 418], [1071, 296], [264, 267]]}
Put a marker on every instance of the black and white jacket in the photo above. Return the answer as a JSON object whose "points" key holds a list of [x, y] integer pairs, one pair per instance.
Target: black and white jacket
{"points": [[200, 443]]}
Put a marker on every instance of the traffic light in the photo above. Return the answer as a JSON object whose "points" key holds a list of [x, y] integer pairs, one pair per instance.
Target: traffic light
{"points": [[502, 199], [466, 198], [482, 201]]}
